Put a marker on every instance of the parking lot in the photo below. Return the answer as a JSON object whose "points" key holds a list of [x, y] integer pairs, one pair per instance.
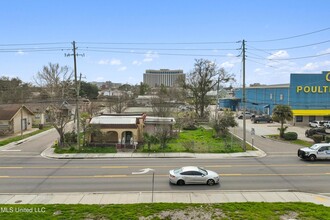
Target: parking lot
{"points": [[264, 128]]}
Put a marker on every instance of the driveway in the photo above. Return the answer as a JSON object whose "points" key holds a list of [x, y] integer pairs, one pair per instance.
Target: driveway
{"points": [[269, 146]]}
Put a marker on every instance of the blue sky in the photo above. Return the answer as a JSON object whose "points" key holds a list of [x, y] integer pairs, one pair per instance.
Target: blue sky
{"points": [[121, 39]]}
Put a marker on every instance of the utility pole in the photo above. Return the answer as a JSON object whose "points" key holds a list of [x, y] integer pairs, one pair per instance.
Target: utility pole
{"points": [[77, 92], [77, 85], [244, 99], [217, 102]]}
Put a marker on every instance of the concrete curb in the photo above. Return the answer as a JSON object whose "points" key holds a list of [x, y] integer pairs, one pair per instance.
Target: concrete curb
{"points": [[49, 153]]}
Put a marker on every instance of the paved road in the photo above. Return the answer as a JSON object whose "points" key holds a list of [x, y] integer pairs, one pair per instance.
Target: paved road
{"points": [[23, 170], [34, 175]]}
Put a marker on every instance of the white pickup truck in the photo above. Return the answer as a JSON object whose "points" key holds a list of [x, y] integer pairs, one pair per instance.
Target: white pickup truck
{"points": [[317, 151]]}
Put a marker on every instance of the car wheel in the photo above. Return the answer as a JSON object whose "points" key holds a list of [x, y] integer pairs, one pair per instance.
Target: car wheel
{"points": [[210, 182], [312, 157], [180, 182]]}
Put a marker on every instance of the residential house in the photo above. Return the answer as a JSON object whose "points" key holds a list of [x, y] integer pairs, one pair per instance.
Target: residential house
{"points": [[117, 129], [15, 118], [125, 130]]}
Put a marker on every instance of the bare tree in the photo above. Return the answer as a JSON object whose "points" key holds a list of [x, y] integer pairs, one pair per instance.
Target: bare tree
{"points": [[163, 134], [160, 104], [120, 104], [201, 80], [59, 116], [55, 81]]}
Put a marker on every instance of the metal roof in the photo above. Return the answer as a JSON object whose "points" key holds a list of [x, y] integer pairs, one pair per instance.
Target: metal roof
{"points": [[114, 120]]}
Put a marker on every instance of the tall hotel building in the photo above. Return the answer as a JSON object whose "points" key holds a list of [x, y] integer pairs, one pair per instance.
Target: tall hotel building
{"points": [[166, 77]]}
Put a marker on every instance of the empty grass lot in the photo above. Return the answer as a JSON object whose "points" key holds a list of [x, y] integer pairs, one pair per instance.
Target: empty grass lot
{"points": [[199, 141], [229, 211]]}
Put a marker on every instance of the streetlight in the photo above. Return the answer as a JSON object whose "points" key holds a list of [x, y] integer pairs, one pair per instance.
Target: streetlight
{"points": [[144, 171]]}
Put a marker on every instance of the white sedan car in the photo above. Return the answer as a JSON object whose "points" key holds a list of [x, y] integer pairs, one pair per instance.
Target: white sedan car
{"points": [[193, 175]]}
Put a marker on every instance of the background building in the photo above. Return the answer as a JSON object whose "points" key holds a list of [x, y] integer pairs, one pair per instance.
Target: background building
{"points": [[166, 77], [261, 99], [308, 95]]}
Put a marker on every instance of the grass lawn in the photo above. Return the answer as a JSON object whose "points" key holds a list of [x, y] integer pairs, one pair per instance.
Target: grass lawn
{"points": [[249, 210], [199, 141], [89, 150], [298, 141]]}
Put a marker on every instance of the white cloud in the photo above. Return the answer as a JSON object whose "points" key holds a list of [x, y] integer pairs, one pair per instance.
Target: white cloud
{"points": [[137, 63], [317, 66], [115, 62], [310, 66], [281, 54], [230, 55], [325, 51], [123, 68], [20, 52], [257, 70], [227, 64], [148, 59], [112, 62], [104, 62], [150, 56]]}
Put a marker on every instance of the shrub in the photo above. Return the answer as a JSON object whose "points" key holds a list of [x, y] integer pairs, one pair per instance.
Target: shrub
{"points": [[190, 127], [327, 139], [290, 136], [70, 137], [317, 138]]}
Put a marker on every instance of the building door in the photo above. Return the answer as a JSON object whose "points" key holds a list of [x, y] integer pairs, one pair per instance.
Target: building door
{"points": [[24, 124]]}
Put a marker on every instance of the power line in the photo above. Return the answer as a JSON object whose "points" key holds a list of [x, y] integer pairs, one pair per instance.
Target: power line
{"points": [[304, 57], [295, 36], [15, 50], [295, 47], [167, 54], [32, 44], [160, 43], [170, 49], [267, 65]]}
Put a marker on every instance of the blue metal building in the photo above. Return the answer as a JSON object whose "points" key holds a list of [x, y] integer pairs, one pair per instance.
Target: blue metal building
{"points": [[308, 95]]}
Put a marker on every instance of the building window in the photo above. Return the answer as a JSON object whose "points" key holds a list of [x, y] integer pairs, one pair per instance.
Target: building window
{"points": [[311, 118], [281, 96], [299, 118], [271, 96], [326, 118]]}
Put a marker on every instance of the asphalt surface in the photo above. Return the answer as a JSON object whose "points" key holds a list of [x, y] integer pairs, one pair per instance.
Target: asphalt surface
{"points": [[266, 148]]}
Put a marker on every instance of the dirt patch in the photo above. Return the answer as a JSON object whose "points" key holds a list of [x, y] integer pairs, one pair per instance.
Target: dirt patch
{"points": [[198, 213], [289, 216]]}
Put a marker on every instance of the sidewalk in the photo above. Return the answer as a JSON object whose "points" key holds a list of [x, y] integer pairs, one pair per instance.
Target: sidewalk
{"points": [[165, 197]]}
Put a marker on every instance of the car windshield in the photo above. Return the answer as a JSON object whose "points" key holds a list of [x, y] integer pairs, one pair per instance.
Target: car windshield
{"points": [[202, 171], [314, 147]]}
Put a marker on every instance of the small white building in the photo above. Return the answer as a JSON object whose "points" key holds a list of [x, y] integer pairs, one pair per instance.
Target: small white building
{"points": [[15, 118]]}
